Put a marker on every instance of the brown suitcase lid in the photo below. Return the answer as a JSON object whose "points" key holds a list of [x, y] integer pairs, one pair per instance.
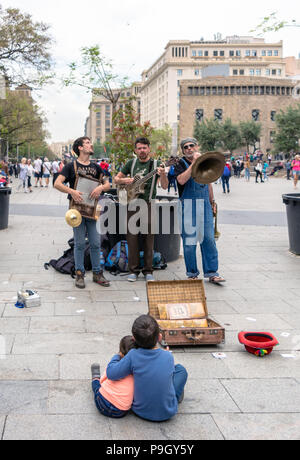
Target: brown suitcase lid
{"points": [[181, 291]]}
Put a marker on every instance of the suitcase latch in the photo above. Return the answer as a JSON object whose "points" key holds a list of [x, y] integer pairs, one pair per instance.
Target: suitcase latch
{"points": [[213, 332], [194, 334]]}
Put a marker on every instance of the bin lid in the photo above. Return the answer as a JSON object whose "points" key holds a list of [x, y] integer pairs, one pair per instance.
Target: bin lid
{"points": [[5, 190]]}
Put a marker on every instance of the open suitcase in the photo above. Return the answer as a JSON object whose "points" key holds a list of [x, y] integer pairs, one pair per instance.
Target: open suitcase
{"points": [[183, 292]]}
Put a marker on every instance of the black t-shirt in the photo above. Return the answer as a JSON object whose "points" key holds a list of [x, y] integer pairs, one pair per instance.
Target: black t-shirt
{"points": [[92, 170], [180, 167]]}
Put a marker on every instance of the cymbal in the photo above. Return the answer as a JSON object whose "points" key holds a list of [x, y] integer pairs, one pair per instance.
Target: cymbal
{"points": [[73, 218]]}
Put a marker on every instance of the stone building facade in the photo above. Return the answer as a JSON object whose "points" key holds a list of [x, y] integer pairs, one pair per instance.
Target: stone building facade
{"points": [[237, 98]]}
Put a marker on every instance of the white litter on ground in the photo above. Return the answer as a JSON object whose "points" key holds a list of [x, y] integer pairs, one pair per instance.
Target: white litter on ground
{"points": [[251, 319], [219, 355]]}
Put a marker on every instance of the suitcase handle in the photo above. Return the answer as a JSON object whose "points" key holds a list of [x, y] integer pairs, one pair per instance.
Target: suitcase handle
{"points": [[194, 337]]}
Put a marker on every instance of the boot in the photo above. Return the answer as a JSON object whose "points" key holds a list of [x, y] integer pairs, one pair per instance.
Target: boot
{"points": [[100, 279], [79, 280]]}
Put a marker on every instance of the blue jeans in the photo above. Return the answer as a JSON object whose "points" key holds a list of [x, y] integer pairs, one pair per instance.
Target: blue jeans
{"points": [[179, 380], [87, 226], [225, 181], [247, 173], [104, 406]]}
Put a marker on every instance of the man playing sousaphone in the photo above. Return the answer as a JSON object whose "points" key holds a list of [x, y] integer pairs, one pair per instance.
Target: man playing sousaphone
{"points": [[143, 165], [84, 148], [189, 192]]}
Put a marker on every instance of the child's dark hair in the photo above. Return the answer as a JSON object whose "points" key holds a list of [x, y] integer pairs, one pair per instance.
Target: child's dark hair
{"points": [[79, 143], [145, 331], [127, 344]]}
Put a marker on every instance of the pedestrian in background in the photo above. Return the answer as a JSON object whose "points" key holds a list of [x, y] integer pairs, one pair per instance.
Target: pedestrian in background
{"points": [[296, 169], [30, 172], [288, 167], [247, 169], [23, 175], [265, 169], [226, 177], [258, 169]]}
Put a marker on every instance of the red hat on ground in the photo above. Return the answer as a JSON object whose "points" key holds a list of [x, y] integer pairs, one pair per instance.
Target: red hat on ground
{"points": [[258, 343]]}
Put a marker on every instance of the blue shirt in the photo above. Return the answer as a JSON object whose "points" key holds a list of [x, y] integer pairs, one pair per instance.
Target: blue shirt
{"points": [[154, 393]]}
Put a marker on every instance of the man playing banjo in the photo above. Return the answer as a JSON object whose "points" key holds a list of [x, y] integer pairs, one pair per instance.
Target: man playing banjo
{"points": [[84, 149], [143, 165]]}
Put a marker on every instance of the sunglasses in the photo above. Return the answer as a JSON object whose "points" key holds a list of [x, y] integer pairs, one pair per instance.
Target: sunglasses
{"points": [[188, 146]]}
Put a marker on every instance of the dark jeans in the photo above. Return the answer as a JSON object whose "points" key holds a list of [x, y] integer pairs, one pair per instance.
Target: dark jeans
{"points": [[258, 173], [225, 181], [104, 406], [134, 248]]}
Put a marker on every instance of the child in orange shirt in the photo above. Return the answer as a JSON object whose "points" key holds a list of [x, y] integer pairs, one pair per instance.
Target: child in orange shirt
{"points": [[114, 398]]}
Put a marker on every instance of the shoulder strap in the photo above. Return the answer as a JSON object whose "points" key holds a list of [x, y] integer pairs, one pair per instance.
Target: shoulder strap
{"points": [[153, 180], [75, 167], [186, 163], [133, 166]]}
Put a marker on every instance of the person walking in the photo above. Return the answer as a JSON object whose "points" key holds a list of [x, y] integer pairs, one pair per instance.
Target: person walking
{"points": [[84, 149], [197, 203], [38, 174], [226, 177], [46, 171], [265, 169], [296, 169], [258, 169], [247, 169], [23, 175], [30, 172], [288, 167]]}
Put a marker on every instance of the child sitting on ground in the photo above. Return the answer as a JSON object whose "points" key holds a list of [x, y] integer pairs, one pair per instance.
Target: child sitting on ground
{"points": [[114, 399], [158, 383]]}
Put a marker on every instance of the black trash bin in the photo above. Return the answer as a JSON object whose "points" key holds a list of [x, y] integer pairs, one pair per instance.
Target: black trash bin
{"points": [[292, 202], [4, 206]]}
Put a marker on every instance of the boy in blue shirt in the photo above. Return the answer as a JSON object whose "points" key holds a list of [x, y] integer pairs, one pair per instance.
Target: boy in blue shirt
{"points": [[158, 383]]}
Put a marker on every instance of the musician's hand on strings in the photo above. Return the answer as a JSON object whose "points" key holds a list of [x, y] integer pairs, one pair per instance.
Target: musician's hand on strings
{"points": [[96, 192], [127, 180], [77, 196]]}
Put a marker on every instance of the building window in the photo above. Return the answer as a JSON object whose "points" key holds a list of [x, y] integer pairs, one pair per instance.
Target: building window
{"points": [[98, 115], [255, 115], [256, 90], [238, 90], [232, 90], [268, 90], [242, 72], [200, 53], [263, 53], [98, 123], [98, 140], [273, 71], [262, 90], [278, 71], [190, 91], [196, 90], [202, 90], [250, 90], [231, 53], [234, 72], [273, 114], [222, 53], [238, 53], [254, 53], [288, 91], [179, 72], [218, 114], [226, 90], [199, 114], [194, 53], [276, 53], [251, 72], [205, 53], [197, 72], [208, 91], [268, 72], [244, 89], [247, 53], [215, 53], [270, 53], [220, 90], [258, 72], [272, 136]]}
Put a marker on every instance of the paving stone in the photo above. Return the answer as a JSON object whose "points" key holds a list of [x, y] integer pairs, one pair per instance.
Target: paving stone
{"points": [[266, 294], [29, 367], [293, 321], [259, 426], [14, 325], [265, 395], [112, 296], [6, 343], [57, 324], [57, 427], [203, 366], [71, 397], [45, 309], [262, 306], [23, 397], [78, 366], [117, 326], [262, 323], [133, 308], [85, 309]]}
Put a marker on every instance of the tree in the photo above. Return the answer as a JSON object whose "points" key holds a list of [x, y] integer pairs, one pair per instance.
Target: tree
{"points": [[271, 23], [126, 128], [288, 130], [95, 73], [21, 122], [250, 132], [208, 134], [161, 141], [230, 136], [24, 48]]}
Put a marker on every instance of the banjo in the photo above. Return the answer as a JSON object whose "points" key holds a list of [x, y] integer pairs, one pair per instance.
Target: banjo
{"points": [[127, 193]]}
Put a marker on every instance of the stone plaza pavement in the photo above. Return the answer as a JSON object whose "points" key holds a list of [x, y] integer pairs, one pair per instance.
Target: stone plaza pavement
{"points": [[46, 352]]}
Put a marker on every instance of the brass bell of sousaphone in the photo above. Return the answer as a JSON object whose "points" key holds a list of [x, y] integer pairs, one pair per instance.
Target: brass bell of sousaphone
{"points": [[73, 218], [208, 168]]}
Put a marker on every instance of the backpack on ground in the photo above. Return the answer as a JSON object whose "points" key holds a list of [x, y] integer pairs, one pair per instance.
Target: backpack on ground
{"points": [[66, 263], [117, 259], [158, 262]]}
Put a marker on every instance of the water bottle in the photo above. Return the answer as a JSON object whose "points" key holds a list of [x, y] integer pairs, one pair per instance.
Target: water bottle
{"points": [[102, 261]]}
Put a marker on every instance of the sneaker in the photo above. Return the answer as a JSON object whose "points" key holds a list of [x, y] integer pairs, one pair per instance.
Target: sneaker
{"points": [[100, 279], [95, 369], [149, 277], [132, 278], [79, 280]]}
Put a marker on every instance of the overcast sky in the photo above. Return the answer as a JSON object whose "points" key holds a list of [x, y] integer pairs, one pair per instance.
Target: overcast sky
{"points": [[133, 33]]}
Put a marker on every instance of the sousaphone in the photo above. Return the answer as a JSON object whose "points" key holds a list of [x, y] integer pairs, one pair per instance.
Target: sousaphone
{"points": [[208, 167]]}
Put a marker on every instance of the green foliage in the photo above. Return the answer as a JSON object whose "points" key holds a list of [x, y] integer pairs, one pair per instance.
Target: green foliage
{"points": [[126, 128], [288, 130], [250, 132], [271, 23], [231, 138], [161, 142], [24, 48], [208, 134]]}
